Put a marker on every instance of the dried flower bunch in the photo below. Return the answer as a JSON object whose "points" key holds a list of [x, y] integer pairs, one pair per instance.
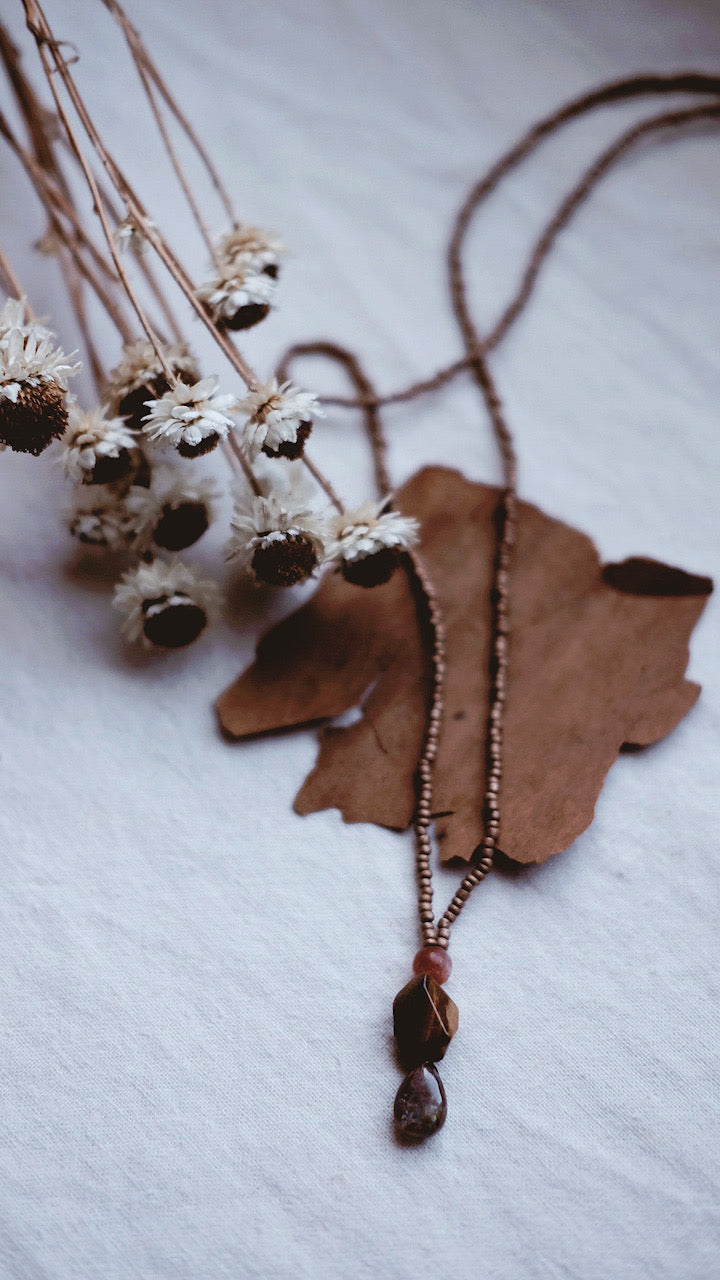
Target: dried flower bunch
{"points": [[132, 455]]}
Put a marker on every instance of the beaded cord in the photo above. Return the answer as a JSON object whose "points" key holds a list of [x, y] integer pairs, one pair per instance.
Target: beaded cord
{"points": [[475, 362]]}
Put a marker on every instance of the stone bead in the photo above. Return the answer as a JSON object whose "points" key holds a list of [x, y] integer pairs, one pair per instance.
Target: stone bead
{"points": [[435, 961], [420, 1104], [425, 1021]]}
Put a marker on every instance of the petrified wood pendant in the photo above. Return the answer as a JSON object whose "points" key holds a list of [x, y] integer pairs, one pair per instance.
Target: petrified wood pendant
{"points": [[425, 1020]]}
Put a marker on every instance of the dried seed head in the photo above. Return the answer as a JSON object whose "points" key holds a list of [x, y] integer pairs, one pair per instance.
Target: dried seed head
{"points": [[237, 297], [180, 525], [102, 520], [372, 570], [172, 622], [205, 445], [279, 541], [33, 381], [175, 510], [284, 559], [290, 449], [96, 449], [279, 419], [366, 544], [240, 292], [32, 421], [140, 377], [193, 417], [246, 317], [165, 605]]}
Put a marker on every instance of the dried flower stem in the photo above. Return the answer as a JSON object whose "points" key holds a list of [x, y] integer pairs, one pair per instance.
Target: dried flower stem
{"points": [[11, 282], [43, 37], [39, 27], [74, 240], [143, 58], [237, 458], [174, 160], [150, 278], [74, 282]]}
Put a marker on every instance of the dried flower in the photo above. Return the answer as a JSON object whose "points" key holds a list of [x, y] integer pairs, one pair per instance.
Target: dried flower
{"points": [[279, 543], [367, 543], [254, 247], [240, 292], [193, 418], [165, 605], [96, 449], [140, 377], [279, 420], [237, 297], [33, 382], [174, 512], [101, 519]]}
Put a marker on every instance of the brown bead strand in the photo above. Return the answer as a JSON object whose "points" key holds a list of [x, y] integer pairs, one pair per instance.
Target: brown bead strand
{"points": [[423, 813], [610, 94], [474, 360]]}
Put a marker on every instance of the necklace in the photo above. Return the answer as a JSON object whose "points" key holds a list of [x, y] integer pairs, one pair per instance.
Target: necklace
{"points": [[425, 1018]]}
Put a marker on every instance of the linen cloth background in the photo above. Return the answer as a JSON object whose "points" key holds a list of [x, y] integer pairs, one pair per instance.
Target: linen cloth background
{"points": [[196, 1074]]}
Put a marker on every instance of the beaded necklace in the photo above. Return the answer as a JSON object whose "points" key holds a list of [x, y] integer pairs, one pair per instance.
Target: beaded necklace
{"points": [[425, 1017]]}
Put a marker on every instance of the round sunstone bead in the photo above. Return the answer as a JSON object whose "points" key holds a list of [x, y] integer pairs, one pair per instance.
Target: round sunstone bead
{"points": [[435, 961]]}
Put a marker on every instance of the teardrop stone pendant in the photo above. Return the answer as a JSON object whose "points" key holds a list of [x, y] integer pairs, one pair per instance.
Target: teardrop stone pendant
{"points": [[420, 1105]]}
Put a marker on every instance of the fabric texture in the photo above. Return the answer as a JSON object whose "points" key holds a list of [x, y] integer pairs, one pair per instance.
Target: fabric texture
{"points": [[196, 1074]]}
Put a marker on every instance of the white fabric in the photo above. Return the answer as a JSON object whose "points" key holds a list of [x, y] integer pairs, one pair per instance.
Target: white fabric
{"points": [[196, 1075]]}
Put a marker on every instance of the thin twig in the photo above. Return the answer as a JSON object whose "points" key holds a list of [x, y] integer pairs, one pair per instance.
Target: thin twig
{"points": [[12, 283], [38, 26], [140, 51]]}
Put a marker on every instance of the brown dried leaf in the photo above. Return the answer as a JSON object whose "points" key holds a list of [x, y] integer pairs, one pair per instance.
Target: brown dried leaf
{"points": [[597, 661]]}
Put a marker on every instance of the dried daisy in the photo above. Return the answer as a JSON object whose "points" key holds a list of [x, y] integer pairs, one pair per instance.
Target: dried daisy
{"points": [[96, 449], [256, 248], [367, 543], [279, 420], [140, 377], [240, 292], [33, 382], [101, 519], [165, 605], [237, 297], [279, 543], [193, 418], [174, 512]]}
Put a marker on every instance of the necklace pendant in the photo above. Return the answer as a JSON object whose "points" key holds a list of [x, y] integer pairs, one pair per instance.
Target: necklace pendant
{"points": [[425, 1020], [420, 1104]]}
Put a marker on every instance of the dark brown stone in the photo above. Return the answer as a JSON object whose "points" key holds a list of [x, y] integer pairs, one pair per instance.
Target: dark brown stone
{"points": [[420, 1104], [425, 1020]]}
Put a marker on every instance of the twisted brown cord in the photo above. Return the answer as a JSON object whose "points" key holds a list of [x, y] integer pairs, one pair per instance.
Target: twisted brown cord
{"points": [[475, 361]]}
